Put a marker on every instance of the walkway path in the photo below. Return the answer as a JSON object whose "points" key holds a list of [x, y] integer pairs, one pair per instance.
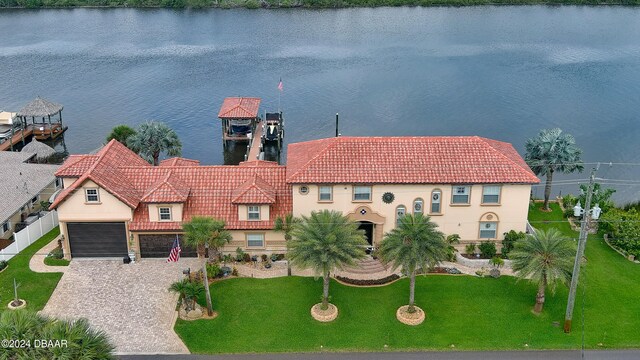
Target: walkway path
{"points": [[37, 260]]}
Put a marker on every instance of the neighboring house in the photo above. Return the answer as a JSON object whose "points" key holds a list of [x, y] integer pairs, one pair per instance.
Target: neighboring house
{"points": [[114, 201], [23, 185], [471, 186]]}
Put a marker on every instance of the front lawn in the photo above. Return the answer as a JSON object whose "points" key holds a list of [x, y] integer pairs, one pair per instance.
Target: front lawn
{"points": [[50, 261], [464, 311], [36, 288]]}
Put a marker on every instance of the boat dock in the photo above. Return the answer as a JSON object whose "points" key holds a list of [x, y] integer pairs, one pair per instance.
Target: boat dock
{"points": [[23, 137], [254, 149]]}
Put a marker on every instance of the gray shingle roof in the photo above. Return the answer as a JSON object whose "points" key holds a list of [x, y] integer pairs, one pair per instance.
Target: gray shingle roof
{"points": [[20, 181], [40, 107]]}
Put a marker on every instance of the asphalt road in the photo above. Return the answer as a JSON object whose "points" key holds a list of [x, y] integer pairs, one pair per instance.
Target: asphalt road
{"points": [[466, 355]]}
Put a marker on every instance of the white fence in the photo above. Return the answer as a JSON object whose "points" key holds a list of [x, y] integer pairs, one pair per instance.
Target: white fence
{"points": [[29, 235]]}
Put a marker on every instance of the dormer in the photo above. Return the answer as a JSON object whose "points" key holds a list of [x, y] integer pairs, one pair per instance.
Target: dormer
{"points": [[166, 198], [253, 198]]}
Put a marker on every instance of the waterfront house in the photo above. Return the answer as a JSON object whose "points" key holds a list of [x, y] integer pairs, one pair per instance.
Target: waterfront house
{"points": [[114, 202], [472, 186], [23, 185]]}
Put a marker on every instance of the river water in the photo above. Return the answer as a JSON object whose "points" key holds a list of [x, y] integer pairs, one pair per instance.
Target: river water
{"points": [[498, 72]]}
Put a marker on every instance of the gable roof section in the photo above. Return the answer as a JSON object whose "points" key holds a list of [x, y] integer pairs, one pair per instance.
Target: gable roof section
{"points": [[169, 189], [239, 108], [408, 160], [255, 190], [105, 170], [76, 165]]}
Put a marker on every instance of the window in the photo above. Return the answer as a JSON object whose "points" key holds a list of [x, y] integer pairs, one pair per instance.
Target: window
{"points": [[400, 212], [325, 193], [491, 194], [361, 193], [6, 226], [304, 190], [253, 212], [34, 200], [436, 195], [255, 240], [165, 213], [418, 206], [488, 230], [91, 195], [460, 195], [58, 183]]}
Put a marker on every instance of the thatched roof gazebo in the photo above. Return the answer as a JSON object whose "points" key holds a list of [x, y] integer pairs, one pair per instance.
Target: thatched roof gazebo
{"points": [[45, 116], [41, 150]]}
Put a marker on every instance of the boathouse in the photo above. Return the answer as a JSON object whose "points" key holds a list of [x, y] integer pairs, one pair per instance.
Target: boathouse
{"points": [[239, 116]]}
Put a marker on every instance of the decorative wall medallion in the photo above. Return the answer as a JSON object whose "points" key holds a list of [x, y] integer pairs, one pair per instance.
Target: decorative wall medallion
{"points": [[489, 217], [363, 211], [388, 197]]}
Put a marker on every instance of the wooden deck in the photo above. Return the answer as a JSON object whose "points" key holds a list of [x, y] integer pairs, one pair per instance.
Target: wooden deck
{"points": [[17, 138], [256, 143], [30, 131]]}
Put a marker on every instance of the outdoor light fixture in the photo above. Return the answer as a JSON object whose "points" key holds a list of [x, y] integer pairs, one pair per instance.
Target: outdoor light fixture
{"points": [[579, 211]]}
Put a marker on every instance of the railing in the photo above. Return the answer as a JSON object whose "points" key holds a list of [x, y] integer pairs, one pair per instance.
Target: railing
{"points": [[29, 235]]}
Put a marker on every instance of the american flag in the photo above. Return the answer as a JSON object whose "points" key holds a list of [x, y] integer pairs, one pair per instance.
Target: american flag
{"points": [[280, 85], [174, 255]]}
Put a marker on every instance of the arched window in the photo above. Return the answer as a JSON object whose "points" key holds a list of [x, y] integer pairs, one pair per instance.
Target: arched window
{"points": [[418, 206], [401, 210], [436, 197], [489, 226]]}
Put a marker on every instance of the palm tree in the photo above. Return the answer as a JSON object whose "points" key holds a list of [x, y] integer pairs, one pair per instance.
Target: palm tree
{"points": [[153, 138], [192, 291], [285, 225], [180, 287], [204, 231], [545, 258], [414, 244], [550, 151], [324, 241], [452, 240], [83, 342], [122, 133]]}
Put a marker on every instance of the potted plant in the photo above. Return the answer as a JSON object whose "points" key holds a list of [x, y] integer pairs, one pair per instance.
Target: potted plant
{"points": [[274, 257], [267, 265]]}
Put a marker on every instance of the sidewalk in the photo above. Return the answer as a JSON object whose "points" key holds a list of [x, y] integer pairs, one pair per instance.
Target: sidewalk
{"points": [[37, 264]]}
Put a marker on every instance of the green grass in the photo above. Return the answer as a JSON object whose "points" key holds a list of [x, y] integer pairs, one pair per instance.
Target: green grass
{"points": [[469, 312], [55, 262], [35, 288]]}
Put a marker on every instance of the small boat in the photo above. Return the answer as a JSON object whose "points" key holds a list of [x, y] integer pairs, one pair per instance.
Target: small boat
{"points": [[273, 127]]}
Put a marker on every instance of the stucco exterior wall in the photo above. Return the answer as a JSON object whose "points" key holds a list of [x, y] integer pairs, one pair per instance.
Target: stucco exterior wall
{"points": [[510, 213], [176, 211], [110, 208], [243, 212], [66, 181]]}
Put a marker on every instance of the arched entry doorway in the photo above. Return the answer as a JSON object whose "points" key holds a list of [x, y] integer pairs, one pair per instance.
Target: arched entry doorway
{"points": [[368, 227]]}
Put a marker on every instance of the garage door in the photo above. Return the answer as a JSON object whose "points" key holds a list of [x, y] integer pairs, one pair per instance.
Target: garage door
{"points": [[105, 239], [159, 246]]}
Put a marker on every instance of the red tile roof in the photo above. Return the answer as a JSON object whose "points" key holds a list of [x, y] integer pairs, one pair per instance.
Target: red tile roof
{"points": [[239, 108], [106, 171], [203, 190], [255, 190], [178, 161], [169, 189], [408, 160], [76, 165]]}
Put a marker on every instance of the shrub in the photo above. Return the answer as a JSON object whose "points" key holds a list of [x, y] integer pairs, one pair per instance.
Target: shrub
{"points": [[359, 282], [263, 257], [3, 264], [487, 249], [246, 257], [239, 254], [470, 248], [227, 258], [213, 270], [496, 261], [510, 239], [274, 257], [56, 253], [623, 228], [234, 272]]}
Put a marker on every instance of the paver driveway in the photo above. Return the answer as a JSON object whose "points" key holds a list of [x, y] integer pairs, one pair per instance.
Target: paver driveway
{"points": [[130, 302]]}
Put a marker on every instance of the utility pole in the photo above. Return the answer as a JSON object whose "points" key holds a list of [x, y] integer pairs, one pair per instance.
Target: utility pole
{"points": [[582, 243]]}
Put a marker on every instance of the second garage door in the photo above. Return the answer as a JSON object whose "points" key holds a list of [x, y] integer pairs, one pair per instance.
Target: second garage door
{"points": [[104, 239], [159, 246]]}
